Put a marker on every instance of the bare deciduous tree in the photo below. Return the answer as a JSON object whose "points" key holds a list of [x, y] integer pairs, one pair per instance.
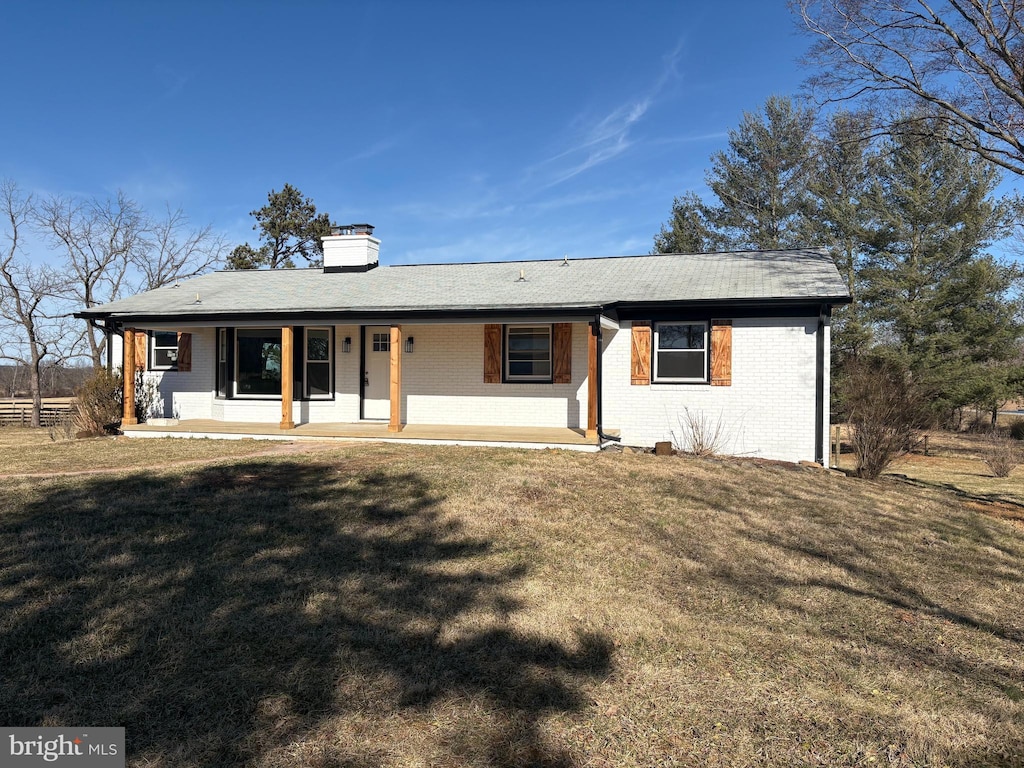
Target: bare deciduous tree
{"points": [[101, 239], [112, 248], [30, 297], [962, 59], [175, 252]]}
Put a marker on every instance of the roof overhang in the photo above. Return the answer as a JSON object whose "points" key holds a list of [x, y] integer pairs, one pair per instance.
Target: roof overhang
{"points": [[359, 317], [610, 314]]}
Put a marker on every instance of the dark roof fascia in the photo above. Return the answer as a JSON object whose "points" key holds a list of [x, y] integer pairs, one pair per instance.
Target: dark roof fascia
{"points": [[783, 307], [631, 310], [365, 317]]}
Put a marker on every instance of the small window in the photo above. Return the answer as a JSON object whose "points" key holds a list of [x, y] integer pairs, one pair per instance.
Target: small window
{"points": [[164, 350], [318, 363], [222, 363], [681, 352], [528, 353], [381, 342], [258, 362]]}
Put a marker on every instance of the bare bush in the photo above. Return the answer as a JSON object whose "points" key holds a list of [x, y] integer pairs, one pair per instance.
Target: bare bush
{"points": [[886, 412], [1017, 429], [1002, 455], [699, 434], [63, 428], [98, 403]]}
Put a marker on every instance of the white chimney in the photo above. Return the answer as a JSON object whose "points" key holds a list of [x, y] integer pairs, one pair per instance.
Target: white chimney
{"points": [[351, 248]]}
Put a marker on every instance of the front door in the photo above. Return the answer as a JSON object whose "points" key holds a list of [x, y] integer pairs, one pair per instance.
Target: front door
{"points": [[377, 373]]}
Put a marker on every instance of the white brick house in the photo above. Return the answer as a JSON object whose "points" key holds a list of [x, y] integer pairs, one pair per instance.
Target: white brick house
{"points": [[574, 352]]}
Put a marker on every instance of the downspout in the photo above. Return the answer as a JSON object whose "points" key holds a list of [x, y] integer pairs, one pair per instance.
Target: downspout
{"points": [[110, 347], [600, 357], [819, 389], [362, 370]]}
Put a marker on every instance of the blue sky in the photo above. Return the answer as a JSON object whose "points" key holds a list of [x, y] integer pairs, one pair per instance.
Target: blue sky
{"points": [[463, 131]]}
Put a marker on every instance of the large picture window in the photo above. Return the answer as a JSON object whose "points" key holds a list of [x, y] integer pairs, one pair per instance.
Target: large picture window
{"points": [[163, 351], [318, 363], [681, 352], [528, 353], [258, 362]]}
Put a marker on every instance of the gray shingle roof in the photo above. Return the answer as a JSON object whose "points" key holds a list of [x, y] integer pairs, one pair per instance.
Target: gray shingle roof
{"points": [[801, 275]]}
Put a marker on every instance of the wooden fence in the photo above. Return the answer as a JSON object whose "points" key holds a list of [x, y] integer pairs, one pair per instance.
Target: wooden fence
{"points": [[18, 412]]}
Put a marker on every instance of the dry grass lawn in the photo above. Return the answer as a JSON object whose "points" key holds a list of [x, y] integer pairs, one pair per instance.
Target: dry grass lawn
{"points": [[956, 462], [33, 451], [402, 606]]}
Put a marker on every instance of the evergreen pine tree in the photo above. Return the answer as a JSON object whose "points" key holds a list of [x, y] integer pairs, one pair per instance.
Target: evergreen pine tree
{"points": [[936, 300], [759, 183], [760, 180]]}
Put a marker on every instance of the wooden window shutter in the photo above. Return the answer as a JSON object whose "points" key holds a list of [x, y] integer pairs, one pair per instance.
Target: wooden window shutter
{"points": [[640, 372], [185, 352], [141, 350], [492, 353], [721, 353], [562, 353]]}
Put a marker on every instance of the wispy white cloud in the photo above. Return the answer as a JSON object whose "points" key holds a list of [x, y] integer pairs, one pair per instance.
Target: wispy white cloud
{"points": [[377, 148], [609, 136], [172, 81], [457, 210], [691, 139], [589, 197], [530, 239], [501, 205], [153, 186], [504, 244]]}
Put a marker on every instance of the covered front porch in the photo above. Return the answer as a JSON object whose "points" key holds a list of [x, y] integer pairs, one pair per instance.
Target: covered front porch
{"points": [[426, 434], [361, 380]]}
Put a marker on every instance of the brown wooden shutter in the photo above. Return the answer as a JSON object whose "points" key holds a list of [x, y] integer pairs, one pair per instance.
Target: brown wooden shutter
{"points": [[641, 362], [141, 350], [185, 352], [492, 354], [721, 353], [562, 353]]}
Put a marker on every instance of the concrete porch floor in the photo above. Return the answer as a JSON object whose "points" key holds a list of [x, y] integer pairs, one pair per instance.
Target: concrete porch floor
{"points": [[429, 434]]}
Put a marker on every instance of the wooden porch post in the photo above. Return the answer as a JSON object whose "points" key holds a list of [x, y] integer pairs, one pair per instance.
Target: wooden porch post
{"points": [[592, 381], [287, 376], [128, 376], [395, 424]]}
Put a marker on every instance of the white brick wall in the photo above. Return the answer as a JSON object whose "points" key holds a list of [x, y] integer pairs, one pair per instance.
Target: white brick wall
{"points": [[443, 383], [188, 394], [769, 410]]}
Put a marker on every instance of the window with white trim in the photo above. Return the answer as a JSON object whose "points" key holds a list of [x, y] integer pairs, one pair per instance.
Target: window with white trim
{"points": [[681, 352], [163, 350], [528, 353], [317, 367]]}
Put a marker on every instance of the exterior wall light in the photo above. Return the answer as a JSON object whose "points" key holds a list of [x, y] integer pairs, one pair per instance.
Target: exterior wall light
{"points": [[410, 343], [346, 344]]}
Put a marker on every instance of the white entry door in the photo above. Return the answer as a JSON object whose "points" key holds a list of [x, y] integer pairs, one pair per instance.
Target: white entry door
{"points": [[377, 373]]}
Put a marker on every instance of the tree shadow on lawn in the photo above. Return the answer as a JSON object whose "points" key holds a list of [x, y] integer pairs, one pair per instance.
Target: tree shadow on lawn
{"points": [[225, 613], [881, 586]]}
